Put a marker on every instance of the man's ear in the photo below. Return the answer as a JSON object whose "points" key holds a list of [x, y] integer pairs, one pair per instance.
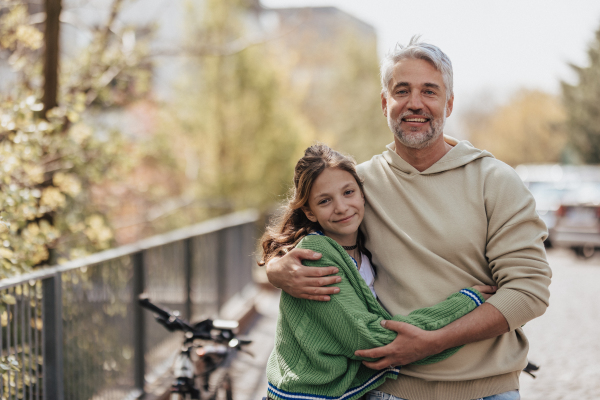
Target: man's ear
{"points": [[309, 214], [449, 106], [384, 104]]}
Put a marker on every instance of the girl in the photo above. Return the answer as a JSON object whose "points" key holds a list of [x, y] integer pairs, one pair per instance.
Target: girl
{"points": [[315, 342]]}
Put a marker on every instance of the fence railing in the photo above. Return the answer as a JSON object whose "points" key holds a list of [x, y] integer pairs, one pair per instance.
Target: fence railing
{"points": [[76, 330]]}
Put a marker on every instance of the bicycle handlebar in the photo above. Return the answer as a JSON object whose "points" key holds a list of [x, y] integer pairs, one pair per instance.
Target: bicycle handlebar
{"points": [[166, 318]]}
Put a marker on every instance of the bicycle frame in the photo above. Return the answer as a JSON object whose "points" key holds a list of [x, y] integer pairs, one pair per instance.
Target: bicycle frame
{"points": [[215, 345]]}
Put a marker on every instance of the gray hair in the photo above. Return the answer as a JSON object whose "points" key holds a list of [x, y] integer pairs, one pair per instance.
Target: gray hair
{"points": [[419, 51]]}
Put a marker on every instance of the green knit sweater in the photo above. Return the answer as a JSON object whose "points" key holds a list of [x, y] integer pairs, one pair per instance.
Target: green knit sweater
{"points": [[315, 341]]}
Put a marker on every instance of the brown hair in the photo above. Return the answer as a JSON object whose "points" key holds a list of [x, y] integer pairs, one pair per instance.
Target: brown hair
{"points": [[291, 224]]}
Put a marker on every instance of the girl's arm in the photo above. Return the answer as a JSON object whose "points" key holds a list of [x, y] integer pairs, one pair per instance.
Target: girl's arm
{"points": [[348, 321]]}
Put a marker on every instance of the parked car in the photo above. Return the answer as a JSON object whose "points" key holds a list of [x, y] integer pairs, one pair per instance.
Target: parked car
{"points": [[577, 222], [547, 184], [567, 198], [548, 199]]}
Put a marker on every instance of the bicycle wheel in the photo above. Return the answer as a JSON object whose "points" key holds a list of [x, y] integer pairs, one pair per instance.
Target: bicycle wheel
{"points": [[225, 392]]}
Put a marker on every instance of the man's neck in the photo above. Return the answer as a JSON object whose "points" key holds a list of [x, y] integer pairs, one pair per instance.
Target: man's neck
{"points": [[421, 159]]}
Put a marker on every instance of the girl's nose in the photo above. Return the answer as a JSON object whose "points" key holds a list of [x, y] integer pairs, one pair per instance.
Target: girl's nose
{"points": [[340, 206]]}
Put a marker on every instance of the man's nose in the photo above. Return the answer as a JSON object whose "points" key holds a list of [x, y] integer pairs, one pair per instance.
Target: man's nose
{"points": [[414, 101]]}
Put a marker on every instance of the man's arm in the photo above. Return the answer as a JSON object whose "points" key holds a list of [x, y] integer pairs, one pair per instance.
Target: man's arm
{"points": [[518, 265], [297, 280], [413, 344]]}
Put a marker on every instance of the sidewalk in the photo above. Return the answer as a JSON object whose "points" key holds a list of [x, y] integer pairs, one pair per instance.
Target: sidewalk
{"points": [[248, 373]]}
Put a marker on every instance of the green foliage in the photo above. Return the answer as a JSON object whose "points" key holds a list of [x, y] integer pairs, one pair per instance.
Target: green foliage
{"points": [[582, 103], [20, 326], [9, 363], [359, 125], [241, 120], [98, 347], [51, 164], [341, 96], [233, 133]]}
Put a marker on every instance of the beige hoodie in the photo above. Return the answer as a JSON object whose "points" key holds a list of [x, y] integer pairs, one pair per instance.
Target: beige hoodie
{"points": [[466, 220]]}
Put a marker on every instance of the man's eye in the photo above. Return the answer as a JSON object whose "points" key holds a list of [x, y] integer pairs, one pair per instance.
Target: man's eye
{"points": [[349, 191], [429, 92]]}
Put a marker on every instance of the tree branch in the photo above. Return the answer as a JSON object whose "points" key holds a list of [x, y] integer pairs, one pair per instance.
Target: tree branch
{"points": [[229, 49]]}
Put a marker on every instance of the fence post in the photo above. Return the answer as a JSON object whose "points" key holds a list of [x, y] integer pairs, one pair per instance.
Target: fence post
{"points": [[53, 385], [187, 265], [222, 260], [139, 336]]}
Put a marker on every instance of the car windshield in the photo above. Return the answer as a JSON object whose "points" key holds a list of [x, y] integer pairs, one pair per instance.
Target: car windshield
{"points": [[585, 193], [548, 195]]}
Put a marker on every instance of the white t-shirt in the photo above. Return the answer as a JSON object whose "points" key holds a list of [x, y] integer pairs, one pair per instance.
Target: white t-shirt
{"points": [[367, 273], [366, 269]]}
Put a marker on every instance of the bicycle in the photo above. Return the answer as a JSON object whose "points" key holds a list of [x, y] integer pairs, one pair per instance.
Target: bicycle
{"points": [[531, 368], [207, 376]]}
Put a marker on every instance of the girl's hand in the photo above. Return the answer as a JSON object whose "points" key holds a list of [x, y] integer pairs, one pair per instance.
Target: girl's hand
{"points": [[486, 290]]}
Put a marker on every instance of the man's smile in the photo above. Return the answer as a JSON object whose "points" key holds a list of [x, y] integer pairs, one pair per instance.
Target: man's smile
{"points": [[415, 119]]}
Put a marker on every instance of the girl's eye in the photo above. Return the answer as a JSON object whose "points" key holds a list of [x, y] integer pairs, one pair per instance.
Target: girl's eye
{"points": [[349, 191], [323, 201]]}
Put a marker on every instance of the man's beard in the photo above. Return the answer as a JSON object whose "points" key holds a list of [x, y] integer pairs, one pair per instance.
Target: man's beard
{"points": [[417, 140]]}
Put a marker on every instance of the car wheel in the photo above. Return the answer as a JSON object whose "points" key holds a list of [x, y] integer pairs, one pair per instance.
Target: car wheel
{"points": [[586, 251]]}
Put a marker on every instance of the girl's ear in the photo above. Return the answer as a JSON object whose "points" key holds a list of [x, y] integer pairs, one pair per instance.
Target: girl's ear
{"points": [[309, 214]]}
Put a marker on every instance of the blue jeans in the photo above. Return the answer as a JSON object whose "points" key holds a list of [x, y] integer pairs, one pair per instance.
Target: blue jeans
{"points": [[512, 395]]}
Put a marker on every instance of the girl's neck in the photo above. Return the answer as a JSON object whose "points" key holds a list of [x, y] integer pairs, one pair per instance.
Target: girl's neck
{"points": [[348, 241], [344, 240]]}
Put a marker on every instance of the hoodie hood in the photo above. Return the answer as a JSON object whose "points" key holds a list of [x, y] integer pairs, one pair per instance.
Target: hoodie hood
{"points": [[462, 153]]}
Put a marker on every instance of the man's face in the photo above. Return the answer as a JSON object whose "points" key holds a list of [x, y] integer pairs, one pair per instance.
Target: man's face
{"points": [[416, 106]]}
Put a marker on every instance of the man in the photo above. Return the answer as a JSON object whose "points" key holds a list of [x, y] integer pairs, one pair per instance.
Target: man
{"points": [[440, 215]]}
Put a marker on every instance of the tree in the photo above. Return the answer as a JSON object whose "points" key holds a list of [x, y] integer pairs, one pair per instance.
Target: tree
{"points": [[333, 65], [233, 134], [51, 158], [582, 104], [529, 128]]}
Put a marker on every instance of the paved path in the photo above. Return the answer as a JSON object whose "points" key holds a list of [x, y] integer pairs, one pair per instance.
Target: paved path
{"points": [[565, 341], [248, 373]]}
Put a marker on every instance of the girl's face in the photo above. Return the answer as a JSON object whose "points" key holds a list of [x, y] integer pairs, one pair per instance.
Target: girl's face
{"points": [[337, 204]]}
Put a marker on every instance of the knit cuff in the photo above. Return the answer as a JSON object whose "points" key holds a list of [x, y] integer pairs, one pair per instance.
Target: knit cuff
{"points": [[474, 295], [515, 306]]}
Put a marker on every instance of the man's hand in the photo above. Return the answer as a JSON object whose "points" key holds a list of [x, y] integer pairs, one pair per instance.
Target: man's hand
{"points": [[299, 281], [486, 291], [413, 344]]}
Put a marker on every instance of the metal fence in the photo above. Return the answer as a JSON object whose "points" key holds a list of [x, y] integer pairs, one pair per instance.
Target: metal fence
{"points": [[77, 332]]}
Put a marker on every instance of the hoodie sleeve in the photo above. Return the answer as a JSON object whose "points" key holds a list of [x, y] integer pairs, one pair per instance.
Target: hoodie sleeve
{"points": [[515, 249]]}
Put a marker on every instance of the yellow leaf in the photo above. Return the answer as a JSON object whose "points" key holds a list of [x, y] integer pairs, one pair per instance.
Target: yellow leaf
{"points": [[9, 299], [6, 253]]}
